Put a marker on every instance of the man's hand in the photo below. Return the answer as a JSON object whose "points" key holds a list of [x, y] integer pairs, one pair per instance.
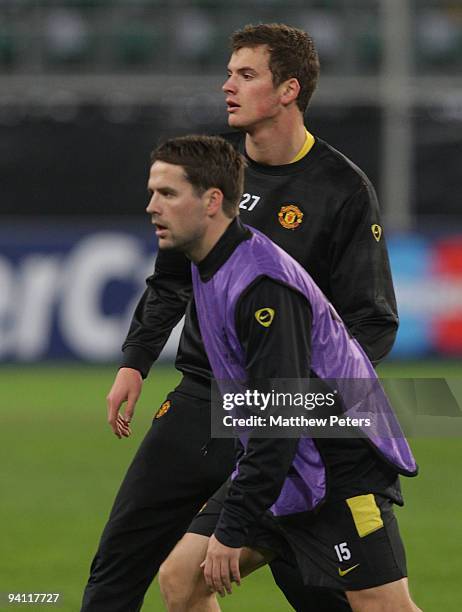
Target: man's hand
{"points": [[221, 566], [126, 388]]}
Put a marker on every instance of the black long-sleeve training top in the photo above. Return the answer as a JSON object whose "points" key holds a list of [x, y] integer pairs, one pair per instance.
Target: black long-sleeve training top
{"points": [[323, 211]]}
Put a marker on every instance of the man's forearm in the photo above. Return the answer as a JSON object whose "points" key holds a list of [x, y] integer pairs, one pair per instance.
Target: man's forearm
{"points": [[261, 474], [376, 335], [361, 285]]}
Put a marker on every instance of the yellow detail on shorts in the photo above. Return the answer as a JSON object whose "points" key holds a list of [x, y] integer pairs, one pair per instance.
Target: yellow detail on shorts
{"points": [[347, 571], [366, 514], [265, 316]]}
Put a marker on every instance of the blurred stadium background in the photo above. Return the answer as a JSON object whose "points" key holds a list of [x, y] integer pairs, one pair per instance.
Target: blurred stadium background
{"points": [[87, 88]]}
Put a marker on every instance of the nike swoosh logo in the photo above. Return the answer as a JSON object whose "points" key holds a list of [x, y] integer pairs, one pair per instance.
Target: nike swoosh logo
{"points": [[265, 317], [347, 571]]}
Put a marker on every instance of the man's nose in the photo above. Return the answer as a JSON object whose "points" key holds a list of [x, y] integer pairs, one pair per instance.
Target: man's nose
{"points": [[153, 207], [229, 86]]}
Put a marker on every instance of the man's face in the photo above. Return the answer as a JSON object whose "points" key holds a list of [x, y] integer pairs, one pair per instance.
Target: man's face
{"points": [[176, 211], [251, 97]]}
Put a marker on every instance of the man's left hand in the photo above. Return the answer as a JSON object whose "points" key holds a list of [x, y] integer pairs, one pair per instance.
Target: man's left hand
{"points": [[221, 566]]}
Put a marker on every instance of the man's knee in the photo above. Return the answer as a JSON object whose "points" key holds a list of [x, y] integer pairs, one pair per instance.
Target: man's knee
{"points": [[171, 586], [176, 585], [180, 575], [391, 597]]}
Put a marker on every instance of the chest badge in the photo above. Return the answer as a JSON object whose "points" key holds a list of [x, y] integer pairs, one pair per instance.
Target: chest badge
{"points": [[290, 216], [376, 231]]}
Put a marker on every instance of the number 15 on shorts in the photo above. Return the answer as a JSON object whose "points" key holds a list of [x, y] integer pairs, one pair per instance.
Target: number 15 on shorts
{"points": [[343, 552]]}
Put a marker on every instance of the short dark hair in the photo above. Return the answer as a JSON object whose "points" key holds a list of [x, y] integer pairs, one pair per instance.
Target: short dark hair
{"points": [[292, 55], [208, 161]]}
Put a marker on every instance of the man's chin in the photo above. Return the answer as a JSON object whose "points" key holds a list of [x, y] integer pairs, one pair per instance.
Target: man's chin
{"points": [[235, 122], [165, 245]]}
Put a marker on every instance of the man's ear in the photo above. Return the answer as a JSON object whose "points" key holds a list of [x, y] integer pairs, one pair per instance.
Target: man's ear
{"points": [[290, 90], [214, 201]]}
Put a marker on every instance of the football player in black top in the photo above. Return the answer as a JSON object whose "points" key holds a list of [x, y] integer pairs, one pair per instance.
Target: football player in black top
{"points": [[318, 206], [257, 328]]}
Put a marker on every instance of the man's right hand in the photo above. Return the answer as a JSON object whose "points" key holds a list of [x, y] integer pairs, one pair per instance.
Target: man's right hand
{"points": [[126, 388]]}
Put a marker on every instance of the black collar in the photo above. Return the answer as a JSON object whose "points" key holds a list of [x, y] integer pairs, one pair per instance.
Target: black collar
{"points": [[235, 233]]}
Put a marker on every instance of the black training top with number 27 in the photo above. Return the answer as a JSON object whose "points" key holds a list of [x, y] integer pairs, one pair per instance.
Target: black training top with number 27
{"points": [[323, 211]]}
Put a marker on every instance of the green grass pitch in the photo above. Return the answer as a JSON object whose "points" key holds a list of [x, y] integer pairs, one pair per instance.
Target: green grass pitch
{"points": [[61, 467]]}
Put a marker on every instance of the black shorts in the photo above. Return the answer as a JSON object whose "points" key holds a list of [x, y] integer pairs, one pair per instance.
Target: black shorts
{"points": [[350, 544]]}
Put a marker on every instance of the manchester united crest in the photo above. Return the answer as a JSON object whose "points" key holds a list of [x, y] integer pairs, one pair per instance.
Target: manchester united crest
{"points": [[163, 409], [290, 216]]}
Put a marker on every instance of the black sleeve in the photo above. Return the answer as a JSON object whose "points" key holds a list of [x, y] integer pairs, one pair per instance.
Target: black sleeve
{"points": [[158, 311], [274, 327], [361, 287]]}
